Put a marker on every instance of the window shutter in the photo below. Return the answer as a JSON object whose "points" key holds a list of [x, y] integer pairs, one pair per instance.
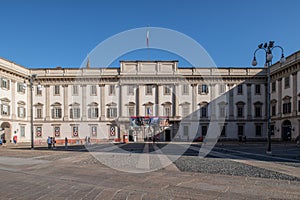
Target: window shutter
{"points": [[52, 110], [107, 113], [59, 113], [18, 111], [71, 113], [96, 110], [8, 110], [24, 111], [8, 85], [89, 113]]}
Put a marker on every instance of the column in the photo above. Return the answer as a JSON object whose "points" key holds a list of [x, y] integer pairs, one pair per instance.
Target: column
{"points": [[279, 97], [83, 102], [47, 102], [212, 101], [249, 101], [137, 100], [13, 99], [156, 100], [102, 101], [174, 101], [194, 96], [294, 98], [120, 101], [231, 101], [65, 101]]}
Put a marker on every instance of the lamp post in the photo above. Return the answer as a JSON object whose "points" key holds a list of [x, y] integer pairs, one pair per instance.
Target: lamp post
{"points": [[269, 56], [32, 78]]}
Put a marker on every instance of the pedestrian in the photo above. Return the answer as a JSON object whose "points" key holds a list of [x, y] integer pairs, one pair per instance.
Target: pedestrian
{"points": [[53, 142], [89, 141], [66, 143], [298, 140], [49, 141]]}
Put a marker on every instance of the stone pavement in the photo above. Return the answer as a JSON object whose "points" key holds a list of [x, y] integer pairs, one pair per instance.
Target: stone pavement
{"points": [[34, 174]]}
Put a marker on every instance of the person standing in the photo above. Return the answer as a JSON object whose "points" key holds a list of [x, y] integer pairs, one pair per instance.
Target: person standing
{"points": [[53, 142], [49, 141], [66, 143]]}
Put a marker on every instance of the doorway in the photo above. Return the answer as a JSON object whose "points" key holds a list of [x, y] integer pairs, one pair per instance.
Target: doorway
{"points": [[6, 133], [286, 128]]}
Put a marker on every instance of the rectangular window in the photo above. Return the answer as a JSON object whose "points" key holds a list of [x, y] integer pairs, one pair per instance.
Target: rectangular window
{"points": [[57, 131], [240, 130], [21, 88], [5, 83], [56, 113], [111, 90], [75, 90], [38, 89], [202, 89], [222, 111], [93, 112], [167, 90], [5, 110], [22, 131], [185, 130], [240, 89], [130, 90], [21, 112], [38, 131], [273, 110], [111, 112], [257, 111], [56, 90], [273, 88], [240, 111], [149, 110], [93, 89], [257, 89], [39, 113], [185, 89], [75, 113], [287, 108], [203, 111], [148, 89], [287, 82], [221, 89], [258, 130], [204, 130], [94, 131], [167, 111], [131, 111], [185, 110]]}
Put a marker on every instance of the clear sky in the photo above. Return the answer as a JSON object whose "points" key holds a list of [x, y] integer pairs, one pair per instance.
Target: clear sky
{"points": [[49, 33]]}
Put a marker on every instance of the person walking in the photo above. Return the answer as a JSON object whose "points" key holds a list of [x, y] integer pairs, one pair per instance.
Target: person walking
{"points": [[53, 142]]}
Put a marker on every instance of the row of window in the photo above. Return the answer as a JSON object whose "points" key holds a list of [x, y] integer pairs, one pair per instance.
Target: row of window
{"points": [[240, 130]]}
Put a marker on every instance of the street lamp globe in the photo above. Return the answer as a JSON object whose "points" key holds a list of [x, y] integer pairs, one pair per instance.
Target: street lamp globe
{"points": [[282, 59], [269, 57], [254, 62]]}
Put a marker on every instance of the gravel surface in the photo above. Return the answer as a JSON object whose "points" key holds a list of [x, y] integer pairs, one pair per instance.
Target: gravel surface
{"points": [[227, 167]]}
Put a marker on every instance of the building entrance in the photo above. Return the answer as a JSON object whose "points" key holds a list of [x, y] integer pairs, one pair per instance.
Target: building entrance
{"points": [[6, 131], [286, 130]]}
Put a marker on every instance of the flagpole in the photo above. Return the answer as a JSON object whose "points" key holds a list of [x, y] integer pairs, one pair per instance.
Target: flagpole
{"points": [[147, 42]]}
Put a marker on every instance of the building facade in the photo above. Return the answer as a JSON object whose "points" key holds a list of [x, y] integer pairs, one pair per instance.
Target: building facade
{"points": [[100, 103]]}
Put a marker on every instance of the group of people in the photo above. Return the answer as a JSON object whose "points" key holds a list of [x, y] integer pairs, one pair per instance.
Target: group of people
{"points": [[51, 142]]}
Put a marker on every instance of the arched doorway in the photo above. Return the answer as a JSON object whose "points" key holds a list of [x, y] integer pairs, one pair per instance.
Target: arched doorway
{"points": [[6, 133], [286, 130]]}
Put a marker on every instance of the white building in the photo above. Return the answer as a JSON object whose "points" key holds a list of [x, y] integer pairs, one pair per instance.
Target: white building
{"points": [[98, 102]]}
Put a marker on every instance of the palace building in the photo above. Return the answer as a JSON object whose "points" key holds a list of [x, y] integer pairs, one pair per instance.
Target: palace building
{"points": [[143, 99]]}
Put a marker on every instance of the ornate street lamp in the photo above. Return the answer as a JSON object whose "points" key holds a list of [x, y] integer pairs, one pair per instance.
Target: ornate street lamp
{"points": [[269, 56], [32, 78]]}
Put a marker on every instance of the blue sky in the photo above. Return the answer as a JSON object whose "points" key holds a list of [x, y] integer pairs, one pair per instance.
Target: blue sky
{"points": [[49, 33]]}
